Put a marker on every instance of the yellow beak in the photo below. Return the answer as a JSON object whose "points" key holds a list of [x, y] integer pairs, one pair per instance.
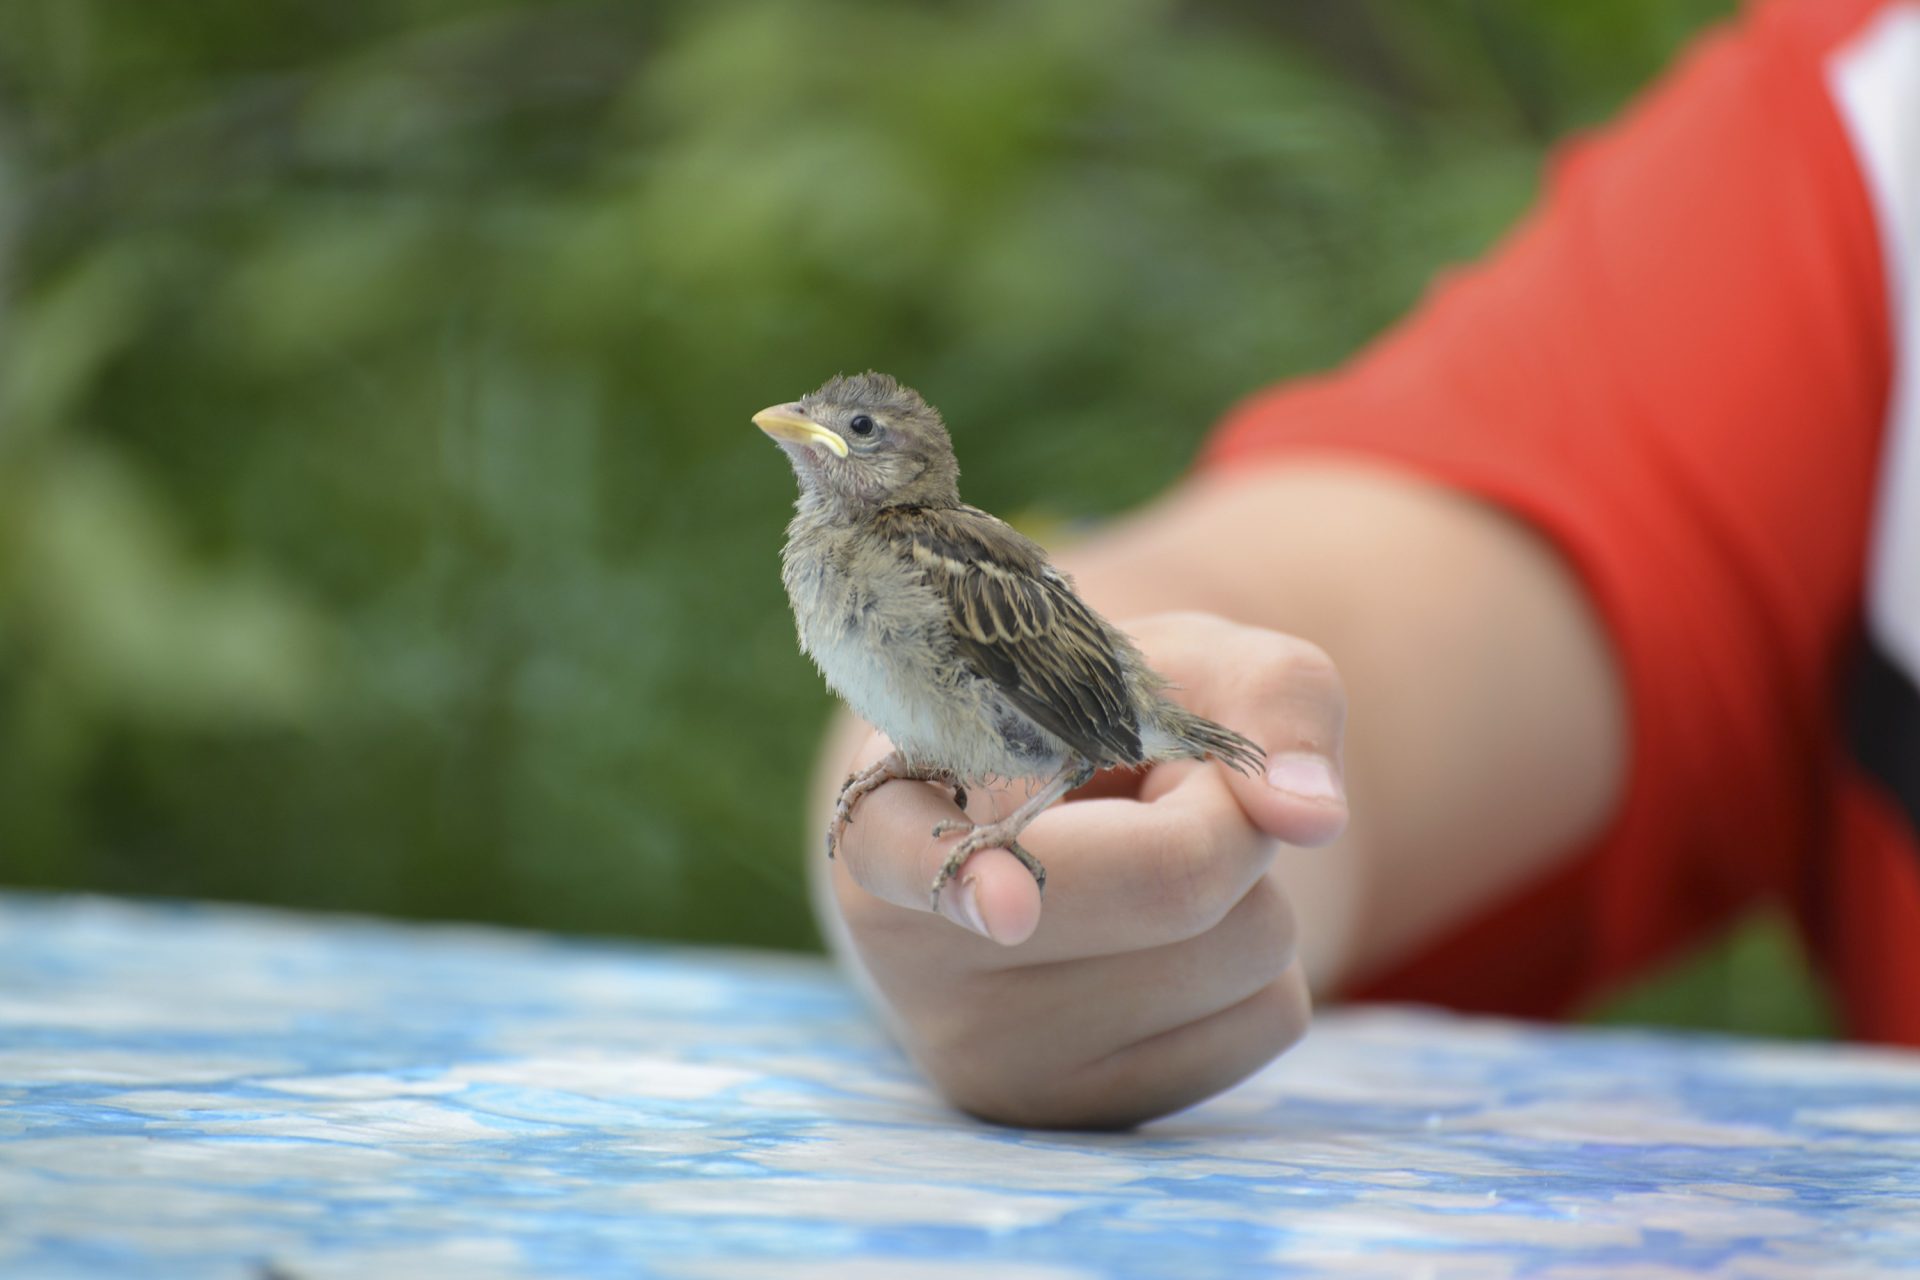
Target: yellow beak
{"points": [[787, 422]]}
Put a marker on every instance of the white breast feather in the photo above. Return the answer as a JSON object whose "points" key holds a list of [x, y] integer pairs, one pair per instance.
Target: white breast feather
{"points": [[888, 673], [877, 692]]}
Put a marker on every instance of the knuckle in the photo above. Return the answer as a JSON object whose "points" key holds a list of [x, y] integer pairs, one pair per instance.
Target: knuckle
{"points": [[1270, 933], [1288, 663], [1312, 665], [1280, 1014], [1300, 679]]}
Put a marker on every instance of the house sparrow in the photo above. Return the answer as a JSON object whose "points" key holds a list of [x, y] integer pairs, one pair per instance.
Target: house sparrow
{"points": [[950, 632]]}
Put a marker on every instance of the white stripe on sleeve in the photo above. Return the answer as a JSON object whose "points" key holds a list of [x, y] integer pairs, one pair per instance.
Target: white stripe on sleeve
{"points": [[1875, 80]]}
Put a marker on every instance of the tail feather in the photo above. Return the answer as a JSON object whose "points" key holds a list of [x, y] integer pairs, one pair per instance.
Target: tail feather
{"points": [[1205, 739]]}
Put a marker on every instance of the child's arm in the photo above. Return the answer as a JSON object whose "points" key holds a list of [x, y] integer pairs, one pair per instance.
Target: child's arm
{"points": [[1486, 740]]}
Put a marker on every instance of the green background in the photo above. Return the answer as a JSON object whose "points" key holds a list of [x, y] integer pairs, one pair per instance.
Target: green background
{"points": [[380, 527]]}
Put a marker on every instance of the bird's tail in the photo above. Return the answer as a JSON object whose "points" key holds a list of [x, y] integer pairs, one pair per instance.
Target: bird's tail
{"points": [[1206, 739]]}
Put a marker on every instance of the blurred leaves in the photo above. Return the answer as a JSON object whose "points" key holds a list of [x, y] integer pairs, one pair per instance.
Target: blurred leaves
{"points": [[106, 602], [379, 522], [141, 630]]}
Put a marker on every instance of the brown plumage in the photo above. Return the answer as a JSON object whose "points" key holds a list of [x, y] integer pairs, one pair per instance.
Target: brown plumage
{"points": [[949, 631]]}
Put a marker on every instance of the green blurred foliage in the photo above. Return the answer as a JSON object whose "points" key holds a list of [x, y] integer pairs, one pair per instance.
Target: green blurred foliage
{"points": [[380, 526], [1756, 981]]}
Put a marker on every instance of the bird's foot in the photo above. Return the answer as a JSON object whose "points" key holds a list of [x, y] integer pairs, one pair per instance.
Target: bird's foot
{"points": [[857, 787], [992, 835], [862, 783]]}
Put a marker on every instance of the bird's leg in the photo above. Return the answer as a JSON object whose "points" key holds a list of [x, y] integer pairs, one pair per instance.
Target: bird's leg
{"points": [[1005, 833], [858, 785]]}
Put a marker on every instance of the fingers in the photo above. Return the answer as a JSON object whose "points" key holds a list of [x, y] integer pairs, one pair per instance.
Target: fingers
{"points": [[1191, 1063], [1126, 875], [1014, 1037], [1131, 872], [1142, 1080], [1279, 690], [1089, 1006], [1122, 875], [1163, 968], [1129, 875], [890, 853]]}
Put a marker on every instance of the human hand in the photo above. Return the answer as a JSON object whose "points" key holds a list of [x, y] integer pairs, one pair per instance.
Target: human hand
{"points": [[1162, 969]]}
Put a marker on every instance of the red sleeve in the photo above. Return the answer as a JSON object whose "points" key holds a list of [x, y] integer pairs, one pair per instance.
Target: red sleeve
{"points": [[1676, 370]]}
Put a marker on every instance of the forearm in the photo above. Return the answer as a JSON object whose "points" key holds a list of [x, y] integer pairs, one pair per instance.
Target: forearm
{"points": [[1486, 735]]}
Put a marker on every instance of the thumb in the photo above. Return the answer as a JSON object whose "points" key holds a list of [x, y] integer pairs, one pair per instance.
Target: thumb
{"points": [[1286, 695], [1301, 799]]}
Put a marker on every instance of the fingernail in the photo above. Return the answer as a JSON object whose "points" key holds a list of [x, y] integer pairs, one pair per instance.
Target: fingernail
{"points": [[1308, 776], [966, 905]]}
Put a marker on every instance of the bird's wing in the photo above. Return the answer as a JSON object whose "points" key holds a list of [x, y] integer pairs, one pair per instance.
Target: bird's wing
{"points": [[1020, 625]]}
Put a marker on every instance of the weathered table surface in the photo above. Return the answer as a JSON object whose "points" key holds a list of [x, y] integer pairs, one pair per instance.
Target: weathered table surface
{"points": [[213, 1091]]}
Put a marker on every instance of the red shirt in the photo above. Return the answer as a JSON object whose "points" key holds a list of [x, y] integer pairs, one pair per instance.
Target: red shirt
{"points": [[1685, 370]]}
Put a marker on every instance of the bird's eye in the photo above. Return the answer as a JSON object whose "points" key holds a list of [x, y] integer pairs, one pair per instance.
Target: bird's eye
{"points": [[860, 424]]}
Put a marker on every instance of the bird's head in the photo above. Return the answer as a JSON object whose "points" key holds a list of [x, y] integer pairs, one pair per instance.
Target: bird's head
{"points": [[865, 442]]}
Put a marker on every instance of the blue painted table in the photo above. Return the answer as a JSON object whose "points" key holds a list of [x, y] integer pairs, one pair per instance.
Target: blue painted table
{"points": [[202, 1091]]}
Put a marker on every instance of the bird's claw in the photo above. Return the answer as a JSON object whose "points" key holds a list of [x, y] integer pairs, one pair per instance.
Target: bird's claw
{"points": [[978, 838], [842, 819], [843, 808], [864, 782]]}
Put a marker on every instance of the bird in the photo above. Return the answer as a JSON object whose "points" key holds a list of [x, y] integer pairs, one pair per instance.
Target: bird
{"points": [[951, 632]]}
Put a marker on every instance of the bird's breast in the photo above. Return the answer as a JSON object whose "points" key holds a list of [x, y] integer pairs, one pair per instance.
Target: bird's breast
{"points": [[870, 625], [884, 642]]}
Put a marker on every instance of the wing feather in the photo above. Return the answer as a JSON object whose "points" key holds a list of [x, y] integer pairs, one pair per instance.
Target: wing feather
{"points": [[1018, 623]]}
